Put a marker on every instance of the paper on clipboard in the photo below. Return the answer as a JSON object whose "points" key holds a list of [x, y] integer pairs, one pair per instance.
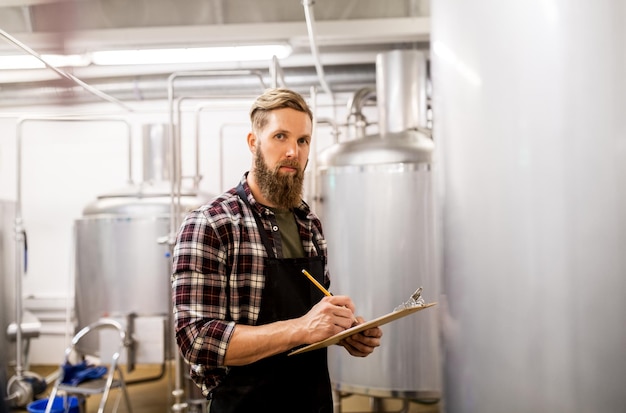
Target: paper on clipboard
{"points": [[377, 322]]}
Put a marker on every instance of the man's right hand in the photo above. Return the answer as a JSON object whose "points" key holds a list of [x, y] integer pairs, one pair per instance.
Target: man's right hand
{"points": [[330, 316]]}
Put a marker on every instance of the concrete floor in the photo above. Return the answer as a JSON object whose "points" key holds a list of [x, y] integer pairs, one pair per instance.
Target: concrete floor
{"points": [[155, 396]]}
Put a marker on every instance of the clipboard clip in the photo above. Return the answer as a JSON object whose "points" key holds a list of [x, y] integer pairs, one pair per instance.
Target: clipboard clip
{"points": [[414, 300]]}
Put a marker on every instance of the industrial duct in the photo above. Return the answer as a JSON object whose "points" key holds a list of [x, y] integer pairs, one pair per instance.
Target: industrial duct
{"points": [[345, 78]]}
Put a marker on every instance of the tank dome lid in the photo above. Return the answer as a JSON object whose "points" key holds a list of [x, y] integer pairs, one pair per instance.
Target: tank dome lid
{"points": [[146, 190], [410, 146], [143, 200]]}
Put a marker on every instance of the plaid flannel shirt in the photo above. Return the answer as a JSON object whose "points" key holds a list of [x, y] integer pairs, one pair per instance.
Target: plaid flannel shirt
{"points": [[218, 280]]}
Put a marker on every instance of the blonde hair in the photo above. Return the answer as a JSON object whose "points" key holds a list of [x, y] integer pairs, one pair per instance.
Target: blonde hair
{"points": [[273, 99]]}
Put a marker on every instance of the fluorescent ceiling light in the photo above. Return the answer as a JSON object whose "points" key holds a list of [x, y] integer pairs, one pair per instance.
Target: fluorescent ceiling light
{"points": [[31, 62], [151, 56], [190, 55]]}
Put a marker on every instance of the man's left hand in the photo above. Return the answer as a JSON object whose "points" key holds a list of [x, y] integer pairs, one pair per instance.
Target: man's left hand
{"points": [[362, 344]]}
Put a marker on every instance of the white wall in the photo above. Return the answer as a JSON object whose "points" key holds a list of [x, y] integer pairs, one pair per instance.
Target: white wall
{"points": [[66, 165]]}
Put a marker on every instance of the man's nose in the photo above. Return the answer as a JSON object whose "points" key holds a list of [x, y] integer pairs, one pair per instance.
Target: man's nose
{"points": [[292, 149]]}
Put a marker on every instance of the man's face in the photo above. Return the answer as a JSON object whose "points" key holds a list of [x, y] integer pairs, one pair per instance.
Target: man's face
{"points": [[280, 156]]}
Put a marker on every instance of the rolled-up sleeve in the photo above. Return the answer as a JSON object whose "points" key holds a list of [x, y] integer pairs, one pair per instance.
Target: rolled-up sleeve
{"points": [[199, 294]]}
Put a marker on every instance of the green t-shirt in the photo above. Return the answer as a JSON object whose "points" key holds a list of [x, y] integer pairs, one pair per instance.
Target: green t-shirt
{"points": [[292, 245]]}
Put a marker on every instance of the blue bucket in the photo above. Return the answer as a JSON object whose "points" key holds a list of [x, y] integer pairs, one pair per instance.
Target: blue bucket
{"points": [[39, 406]]}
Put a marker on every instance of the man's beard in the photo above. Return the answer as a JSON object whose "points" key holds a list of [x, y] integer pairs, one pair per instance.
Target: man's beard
{"points": [[282, 190]]}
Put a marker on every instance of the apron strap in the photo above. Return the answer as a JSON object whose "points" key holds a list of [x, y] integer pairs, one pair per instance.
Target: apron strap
{"points": [[266, 241]]}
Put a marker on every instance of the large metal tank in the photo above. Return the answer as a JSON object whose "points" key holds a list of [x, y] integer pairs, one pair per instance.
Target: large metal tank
{"points": [[529, 118], [376, 206], [121, 267]]}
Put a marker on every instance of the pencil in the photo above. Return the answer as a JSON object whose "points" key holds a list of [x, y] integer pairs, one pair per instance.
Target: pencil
{"points": [[322, 289], [318, 285]]}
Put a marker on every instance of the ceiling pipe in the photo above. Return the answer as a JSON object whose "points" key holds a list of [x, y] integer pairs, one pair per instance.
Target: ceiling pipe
{"points": [[63, 73], [344, 78], [276, 73], [310, 25]]}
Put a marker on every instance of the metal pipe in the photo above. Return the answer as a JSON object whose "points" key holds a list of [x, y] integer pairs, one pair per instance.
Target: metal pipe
{"points": [[149, 379], [175, 210], [175, 190], [221, 150], [179, 102], [276, 73], [333, 125], [28, 18], [355, 105], [63, 73], [177, 392], [310, 25], [344, 78], [175, 135], [19, 270], [197, 177], [199, 109], [356, 120], [313, 152]]}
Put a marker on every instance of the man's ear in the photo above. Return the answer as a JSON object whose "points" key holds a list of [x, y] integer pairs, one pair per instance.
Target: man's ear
{"points": [[252, 142]]}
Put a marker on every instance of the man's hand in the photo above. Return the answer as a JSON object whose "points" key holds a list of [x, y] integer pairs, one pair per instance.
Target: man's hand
{"points": [[362, 344], [328, 317]]}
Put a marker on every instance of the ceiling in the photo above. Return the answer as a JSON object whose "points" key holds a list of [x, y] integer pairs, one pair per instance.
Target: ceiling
{"points": [[346, 34]]}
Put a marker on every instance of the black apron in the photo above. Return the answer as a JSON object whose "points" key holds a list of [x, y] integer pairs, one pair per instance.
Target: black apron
{"points": [[280, 383]]}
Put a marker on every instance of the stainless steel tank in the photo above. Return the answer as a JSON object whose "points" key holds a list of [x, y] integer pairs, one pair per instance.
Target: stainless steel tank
{"points": [[121, 267], [533, 204], [376, 205]]}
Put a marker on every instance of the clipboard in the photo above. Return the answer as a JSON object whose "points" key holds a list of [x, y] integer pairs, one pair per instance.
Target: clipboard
{"points": [[377, 322]]}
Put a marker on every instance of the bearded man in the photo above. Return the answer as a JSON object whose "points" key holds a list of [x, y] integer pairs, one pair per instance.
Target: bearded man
{"points": [[241, 302]]}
